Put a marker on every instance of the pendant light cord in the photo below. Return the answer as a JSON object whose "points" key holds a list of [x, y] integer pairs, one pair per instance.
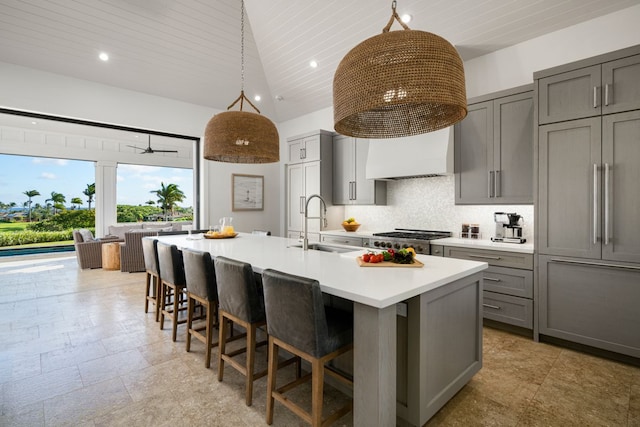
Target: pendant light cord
{"points": [[394, 17], [242, 96]]}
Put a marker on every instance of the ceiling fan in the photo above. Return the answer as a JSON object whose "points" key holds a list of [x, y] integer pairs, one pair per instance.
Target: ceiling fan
{"points": [[150, 150]]}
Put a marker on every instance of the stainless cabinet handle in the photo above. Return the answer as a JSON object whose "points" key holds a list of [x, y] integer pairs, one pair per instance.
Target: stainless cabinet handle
{"points": [[595, 264], [355, 191], [606, 203], [490, 184], [495, 307], [595, 204], [485, 257], [595, 97], [491, 279], [496, 184], [302, 204], [606, 94]]}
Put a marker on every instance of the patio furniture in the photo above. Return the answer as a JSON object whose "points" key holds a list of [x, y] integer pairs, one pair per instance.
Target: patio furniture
{"points": [[89, 249], [131, 253], [111, 256]]}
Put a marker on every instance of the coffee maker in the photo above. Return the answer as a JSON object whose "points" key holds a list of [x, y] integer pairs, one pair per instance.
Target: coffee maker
{"points": [[508, 227]]}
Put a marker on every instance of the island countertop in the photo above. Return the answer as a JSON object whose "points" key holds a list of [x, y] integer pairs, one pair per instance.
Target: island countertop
{"points": [[338, 274]]}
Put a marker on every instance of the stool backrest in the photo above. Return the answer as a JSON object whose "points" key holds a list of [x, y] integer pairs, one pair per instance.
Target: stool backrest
{"points": [[171, 264], [295, 311], [239, 291], [150, 253], [200, 274]]}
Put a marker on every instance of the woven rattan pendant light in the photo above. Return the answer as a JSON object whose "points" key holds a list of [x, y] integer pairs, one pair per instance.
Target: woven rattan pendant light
{"points": [[241, 136], [399, 83]]}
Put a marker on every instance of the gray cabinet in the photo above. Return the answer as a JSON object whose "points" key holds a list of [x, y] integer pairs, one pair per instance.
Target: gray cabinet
{"points": [[494, 150], [304, 178], [350, 185], [305, 148], [592, 303], [343, 240], [589, 91], [508, 284]]}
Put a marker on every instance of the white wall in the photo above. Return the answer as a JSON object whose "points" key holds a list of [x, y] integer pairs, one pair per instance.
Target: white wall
{"points": [[428, 203], [48, 93]]}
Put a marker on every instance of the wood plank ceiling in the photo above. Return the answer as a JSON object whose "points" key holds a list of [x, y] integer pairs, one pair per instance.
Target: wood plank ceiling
{"points": [[189, 50]]}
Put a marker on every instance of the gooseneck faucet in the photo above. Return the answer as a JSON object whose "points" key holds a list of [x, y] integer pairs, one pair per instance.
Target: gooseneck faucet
{"points": [[322, 218]]}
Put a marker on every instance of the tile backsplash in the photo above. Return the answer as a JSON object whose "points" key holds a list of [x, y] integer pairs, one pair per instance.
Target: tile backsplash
{"points": [[429, 204]]}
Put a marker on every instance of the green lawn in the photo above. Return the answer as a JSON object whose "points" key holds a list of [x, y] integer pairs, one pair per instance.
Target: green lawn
{"points": [[12, 226]]}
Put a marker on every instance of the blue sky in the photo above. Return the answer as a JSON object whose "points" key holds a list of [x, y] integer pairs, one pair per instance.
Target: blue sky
{"points": [[70, 177]]}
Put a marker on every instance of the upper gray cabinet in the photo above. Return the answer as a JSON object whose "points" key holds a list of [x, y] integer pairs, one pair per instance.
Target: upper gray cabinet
{"points": [[303, 149], [494, 149], [606, 88], [350, 185]]}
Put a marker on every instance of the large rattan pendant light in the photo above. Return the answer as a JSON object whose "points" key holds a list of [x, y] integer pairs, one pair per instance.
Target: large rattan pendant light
{"points": [[399, 83], [241, 136]]}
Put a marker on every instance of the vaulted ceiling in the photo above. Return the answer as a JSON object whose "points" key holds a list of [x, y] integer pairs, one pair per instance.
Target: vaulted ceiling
{"points": [[189, 50]]}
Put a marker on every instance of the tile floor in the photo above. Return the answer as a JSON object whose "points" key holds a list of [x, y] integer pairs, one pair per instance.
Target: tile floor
{"points": [[76, 348]]}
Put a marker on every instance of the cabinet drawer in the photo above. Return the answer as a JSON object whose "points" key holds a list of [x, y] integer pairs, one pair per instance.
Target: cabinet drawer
{"points": [[511, 281], [497, 258], [349, 241], [507, 309], [437, 250]]}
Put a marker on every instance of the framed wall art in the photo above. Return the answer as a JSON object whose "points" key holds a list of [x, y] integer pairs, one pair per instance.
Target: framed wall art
{"points": [[247, 192]]}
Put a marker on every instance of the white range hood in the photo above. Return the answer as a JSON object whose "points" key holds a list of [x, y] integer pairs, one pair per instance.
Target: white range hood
{"points": [[429, 154]]}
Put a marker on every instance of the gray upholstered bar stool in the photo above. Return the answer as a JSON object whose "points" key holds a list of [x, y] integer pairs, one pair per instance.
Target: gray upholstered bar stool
{"points": [[152, 278], [201, 288], [300, 323], [240, 301], [172, 285]]}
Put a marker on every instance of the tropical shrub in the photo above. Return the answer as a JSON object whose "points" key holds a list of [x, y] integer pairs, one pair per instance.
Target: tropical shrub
{"points": [[66, 220], [27, 237]]}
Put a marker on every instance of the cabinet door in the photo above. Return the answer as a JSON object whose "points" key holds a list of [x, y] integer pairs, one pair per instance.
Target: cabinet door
{"points": [[311, 172], [513, 148], [569, 188], [621, 204], [621, 83], [473, 151], [295, 197], [343, 160], [364, 190], [311, 148], [571, 95], [590, 303], [294, 151]]}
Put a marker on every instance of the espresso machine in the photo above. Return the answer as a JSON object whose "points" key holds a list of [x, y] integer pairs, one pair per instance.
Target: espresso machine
{"points": [[508, 227]]}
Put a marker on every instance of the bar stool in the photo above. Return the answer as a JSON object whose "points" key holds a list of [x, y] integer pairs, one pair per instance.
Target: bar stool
{"points": [[152, 278], [172, 284], [241, 301], [299, 322], [201, 288]]}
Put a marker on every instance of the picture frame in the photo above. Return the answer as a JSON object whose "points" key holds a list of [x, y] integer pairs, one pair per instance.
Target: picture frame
{"points": [[247, 192]]}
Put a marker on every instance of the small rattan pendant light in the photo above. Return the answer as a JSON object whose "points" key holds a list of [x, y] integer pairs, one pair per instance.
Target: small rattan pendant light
{"points": [[399, 83], [241, 136]]}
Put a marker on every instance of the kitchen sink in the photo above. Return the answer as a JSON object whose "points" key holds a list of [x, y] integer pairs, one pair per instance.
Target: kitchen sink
{"points": [[323, 247]]}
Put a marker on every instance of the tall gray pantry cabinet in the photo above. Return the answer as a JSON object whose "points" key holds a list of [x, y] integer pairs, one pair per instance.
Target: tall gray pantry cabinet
{"points": [[308, 171], [588, 230]]}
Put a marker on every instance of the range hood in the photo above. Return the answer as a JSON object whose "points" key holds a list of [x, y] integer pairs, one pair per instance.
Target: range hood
{"points": [[429, 154]]}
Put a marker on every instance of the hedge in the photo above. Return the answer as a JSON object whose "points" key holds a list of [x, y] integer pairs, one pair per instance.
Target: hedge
{"points": [[26, 237]]}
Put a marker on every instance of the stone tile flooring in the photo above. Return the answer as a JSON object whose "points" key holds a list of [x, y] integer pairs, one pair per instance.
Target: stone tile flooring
{"points": [[76, 348]]}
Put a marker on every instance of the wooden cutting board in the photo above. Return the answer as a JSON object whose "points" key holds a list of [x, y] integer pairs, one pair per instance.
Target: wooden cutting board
{"points": [[416, 264]]}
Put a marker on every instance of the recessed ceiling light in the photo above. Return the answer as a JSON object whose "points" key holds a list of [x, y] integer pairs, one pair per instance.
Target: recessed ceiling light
{"points": [[257, 98], [313, 63], [103, 56], [279, 98], [406, 18]]}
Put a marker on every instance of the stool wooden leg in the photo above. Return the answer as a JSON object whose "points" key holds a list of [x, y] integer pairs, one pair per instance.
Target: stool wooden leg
{"points": [[189, 321], [146, 292], [209, 333], [158, 285], [251, 353], [222, 341], [317, 387], [176, 308], [271, 378], [163, 303]]}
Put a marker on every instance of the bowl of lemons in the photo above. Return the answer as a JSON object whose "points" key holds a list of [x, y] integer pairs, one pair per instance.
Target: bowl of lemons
{"points": [[350, 224]]}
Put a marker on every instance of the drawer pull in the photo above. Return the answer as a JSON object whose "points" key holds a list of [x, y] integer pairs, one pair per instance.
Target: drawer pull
{"points": [[485, 257], [495, 307], [491, 279], [595, 264]]}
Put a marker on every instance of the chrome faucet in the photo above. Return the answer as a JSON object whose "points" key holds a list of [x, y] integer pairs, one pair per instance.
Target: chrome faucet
{"points": [[322, 218]]}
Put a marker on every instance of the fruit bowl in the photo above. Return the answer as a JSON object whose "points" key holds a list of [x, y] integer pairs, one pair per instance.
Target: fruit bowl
{"points": [[350, 227]]}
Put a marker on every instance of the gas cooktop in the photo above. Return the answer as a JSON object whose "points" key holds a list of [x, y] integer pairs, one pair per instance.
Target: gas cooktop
{"points": [[407, 233]]}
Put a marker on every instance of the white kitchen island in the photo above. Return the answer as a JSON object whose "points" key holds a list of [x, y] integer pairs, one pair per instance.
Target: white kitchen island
{"points": [[406, 365]]}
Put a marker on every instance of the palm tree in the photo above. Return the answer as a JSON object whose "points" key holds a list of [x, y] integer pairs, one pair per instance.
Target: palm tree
{"points": [[90, 191], [30, 194], [58, 200], [76, 202], [168, 197]]}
